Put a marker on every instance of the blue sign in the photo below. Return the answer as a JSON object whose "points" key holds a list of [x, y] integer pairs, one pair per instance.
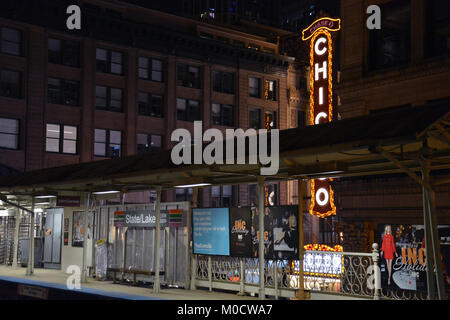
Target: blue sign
{"points": [[211, 231]]}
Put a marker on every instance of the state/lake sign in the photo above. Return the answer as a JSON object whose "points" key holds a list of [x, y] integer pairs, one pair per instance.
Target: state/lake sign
{"points": [[211, 231], [139, 218]]}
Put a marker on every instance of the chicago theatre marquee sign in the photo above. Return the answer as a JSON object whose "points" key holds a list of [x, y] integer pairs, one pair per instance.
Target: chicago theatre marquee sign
{"points": [[321, 100]]}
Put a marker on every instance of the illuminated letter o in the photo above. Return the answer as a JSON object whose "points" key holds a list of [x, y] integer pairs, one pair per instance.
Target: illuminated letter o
{"points": [[316, 46], [325, 196]]}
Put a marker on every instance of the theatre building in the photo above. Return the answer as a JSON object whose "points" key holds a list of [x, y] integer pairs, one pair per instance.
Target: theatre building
{"points": [[128, 78], [405, 64]]}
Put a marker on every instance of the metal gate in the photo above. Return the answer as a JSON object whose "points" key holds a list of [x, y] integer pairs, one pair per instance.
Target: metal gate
{"points": [[134, 247]]}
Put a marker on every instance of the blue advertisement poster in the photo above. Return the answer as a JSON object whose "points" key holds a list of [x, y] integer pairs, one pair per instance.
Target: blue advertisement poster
{"points": [[211, 231]]}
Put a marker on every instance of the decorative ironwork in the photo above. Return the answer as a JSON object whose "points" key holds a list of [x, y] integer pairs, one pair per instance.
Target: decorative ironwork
{"points": [[344, 273]]}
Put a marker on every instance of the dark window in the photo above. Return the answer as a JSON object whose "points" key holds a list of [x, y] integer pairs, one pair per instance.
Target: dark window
{"points": [[390, 45], [9, 133], [11, 41], [107, 143], [107, 98], [150, 69], [255, 119], [239, 43], [150, 104], [188, 76], [268, 50], [437, 29], [207, 36], [61, 91], [183, 194], [252, 195], [270, 120], [223, 82], [222, 114], [222, 196], [109, 61], [61, 139], [301, 119], [65, 52], [148, 143], [188, 110], [10, 83], [254, 87], [223, 40], [270, 90]]}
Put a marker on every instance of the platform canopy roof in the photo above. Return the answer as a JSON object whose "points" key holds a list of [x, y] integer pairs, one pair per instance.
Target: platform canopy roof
{"points": [[385, 142]]}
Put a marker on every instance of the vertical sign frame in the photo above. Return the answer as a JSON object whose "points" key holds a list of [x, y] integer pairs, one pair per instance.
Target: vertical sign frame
{"points": [[321, 101]]}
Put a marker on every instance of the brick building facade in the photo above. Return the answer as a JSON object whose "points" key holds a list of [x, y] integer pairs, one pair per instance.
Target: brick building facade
{"points": [[127, 79]]}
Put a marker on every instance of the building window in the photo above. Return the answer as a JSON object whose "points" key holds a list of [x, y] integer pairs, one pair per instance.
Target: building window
{"points": [[223, 82], [255, 119], [11, 41], [390, 45], [222, 196], [223, 40], [188, 76], [107, 143], [188, 110], [183, 194], [254, 87], [239, 44], [10, 83], [109, 61], [222, 114], [270, 90], [9, 133], [149, 143], [107, 98], [150, 69], [268, 50], [60, 91], [206, 36], [270, 120], [61, 139], [150, 104], [252, 195], [301, 119], [64, 52], [253, 46], [437, 31]]}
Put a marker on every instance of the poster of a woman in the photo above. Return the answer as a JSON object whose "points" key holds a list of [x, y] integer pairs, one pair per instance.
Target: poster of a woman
{"points": [[388, 250]]}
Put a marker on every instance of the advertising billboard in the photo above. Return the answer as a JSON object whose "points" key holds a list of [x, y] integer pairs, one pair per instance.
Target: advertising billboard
{"points": [[280, 232], [211, 231], [240, 232], [403, 256]]}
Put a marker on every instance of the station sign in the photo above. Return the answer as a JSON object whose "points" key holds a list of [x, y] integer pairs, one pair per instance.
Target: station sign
{"points": [[321, 101], [139, 218], [68, 201]]}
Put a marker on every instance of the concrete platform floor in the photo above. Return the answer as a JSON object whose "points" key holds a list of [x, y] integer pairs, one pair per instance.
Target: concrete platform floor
{"points": [[58, 279]]}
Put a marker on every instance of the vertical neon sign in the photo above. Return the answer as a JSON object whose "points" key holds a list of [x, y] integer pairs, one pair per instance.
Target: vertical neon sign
{"points": [[321, 101]]}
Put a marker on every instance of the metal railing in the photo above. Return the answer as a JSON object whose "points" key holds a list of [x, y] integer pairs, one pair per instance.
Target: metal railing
{"points": [[341, 273]]}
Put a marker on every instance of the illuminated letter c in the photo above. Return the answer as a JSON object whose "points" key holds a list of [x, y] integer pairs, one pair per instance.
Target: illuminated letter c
{"points": [[316, 46]]}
